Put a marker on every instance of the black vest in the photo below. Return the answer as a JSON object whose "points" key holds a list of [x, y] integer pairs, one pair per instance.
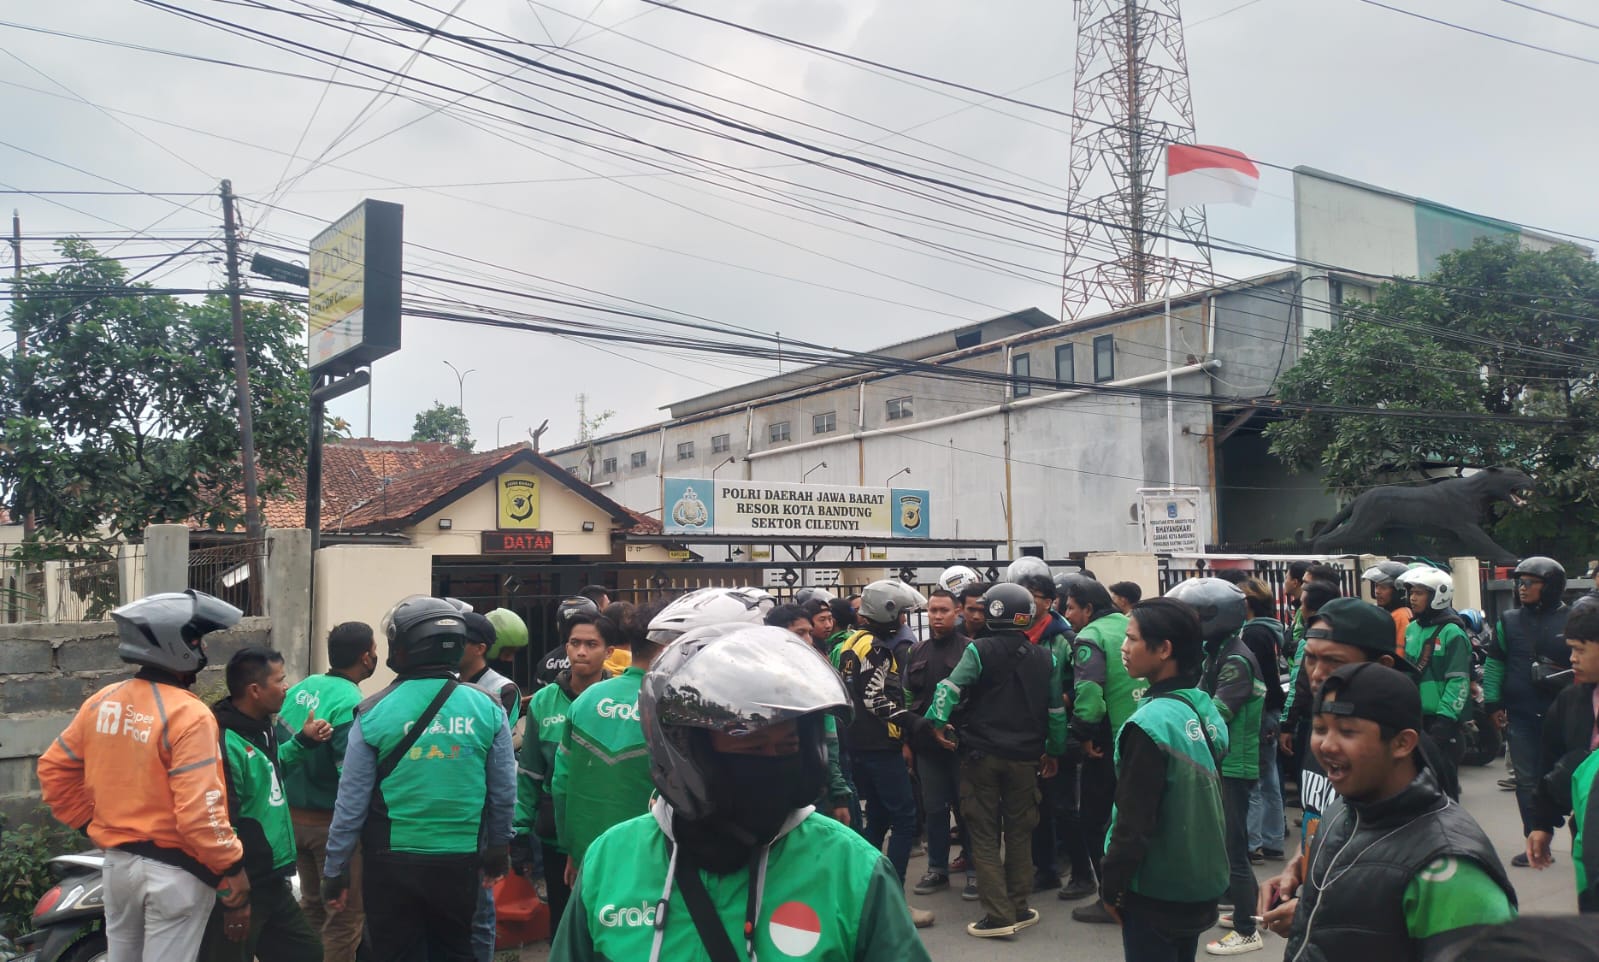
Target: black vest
{"points": [[1007, 710], [1370, 853], [1530, 634]]}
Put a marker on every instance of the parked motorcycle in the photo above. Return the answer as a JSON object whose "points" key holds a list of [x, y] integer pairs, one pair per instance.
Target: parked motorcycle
{"points": [[69, 919], [1484, 742]]}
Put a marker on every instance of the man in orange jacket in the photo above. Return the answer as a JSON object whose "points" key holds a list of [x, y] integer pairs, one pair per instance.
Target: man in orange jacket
{"points": [[138, 769]]}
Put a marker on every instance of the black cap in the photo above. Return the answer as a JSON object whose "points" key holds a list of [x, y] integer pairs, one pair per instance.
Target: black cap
{"points": [[1374, 692], [1360, 624]]}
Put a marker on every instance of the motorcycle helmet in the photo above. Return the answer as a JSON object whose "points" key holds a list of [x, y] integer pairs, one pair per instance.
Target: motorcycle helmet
{"points": [[510, 631], [709, 606], [805, 596], [423, 632], [1439, 582], [1474, 620], [1384, 572], [882, 602], [1010, 607], [464, 607], [1551, 573], [956, 577], [1221, 605], [1026, 564], [570, 608], [165, 630], [737, 680]]}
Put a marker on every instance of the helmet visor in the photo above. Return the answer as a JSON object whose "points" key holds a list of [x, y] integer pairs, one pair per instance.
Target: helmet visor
{"points": [[744, 682]]}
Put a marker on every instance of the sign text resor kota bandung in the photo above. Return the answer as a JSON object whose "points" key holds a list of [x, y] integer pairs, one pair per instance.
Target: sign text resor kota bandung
{"points": [[698, 506]]}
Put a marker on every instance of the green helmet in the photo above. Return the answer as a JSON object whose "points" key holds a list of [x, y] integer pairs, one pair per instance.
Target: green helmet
{"points": [[510, 631]]}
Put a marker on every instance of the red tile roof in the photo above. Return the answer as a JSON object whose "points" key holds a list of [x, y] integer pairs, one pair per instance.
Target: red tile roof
{"points": [[352, 474]]}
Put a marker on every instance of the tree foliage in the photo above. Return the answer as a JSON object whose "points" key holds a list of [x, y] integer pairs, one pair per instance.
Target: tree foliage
{"points": [[123, 412], [1498, 331], [444, 423]]}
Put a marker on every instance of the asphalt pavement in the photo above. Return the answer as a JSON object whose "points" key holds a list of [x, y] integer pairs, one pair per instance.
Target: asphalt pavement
{"points": [[1057, 936]]}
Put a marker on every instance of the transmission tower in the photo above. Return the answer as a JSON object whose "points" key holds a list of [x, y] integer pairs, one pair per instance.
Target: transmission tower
{"points": [[1130, 99]]}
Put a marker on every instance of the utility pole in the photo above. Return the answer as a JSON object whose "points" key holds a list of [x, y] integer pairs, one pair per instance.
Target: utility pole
{"points": [[241, 367], [21, 325]]}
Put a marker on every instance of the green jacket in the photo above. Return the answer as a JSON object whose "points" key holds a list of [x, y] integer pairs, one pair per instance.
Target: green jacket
{"points": [[827, 896], [311, 769], [1445, 671], [1235, 685], [1584, 808], [257, 806], [1102, 688], [535, 764], [602, 769]]}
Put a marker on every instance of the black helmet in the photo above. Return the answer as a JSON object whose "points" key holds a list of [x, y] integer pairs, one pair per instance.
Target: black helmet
{"points": [[1010, 607], [1552, 575], [423, 632], [164, 630], [570, 608], [1221, 605]]}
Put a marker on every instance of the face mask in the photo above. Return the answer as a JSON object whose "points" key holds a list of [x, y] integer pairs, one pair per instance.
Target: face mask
{"points": [[756, 793]]}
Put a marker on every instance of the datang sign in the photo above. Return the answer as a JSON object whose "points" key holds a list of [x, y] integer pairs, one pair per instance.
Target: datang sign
{"points": [[700, 506], [518, 542]]}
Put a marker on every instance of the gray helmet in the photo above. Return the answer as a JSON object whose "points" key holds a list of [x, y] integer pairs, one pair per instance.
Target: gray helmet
{"points": [[464, 607], [1010, 607], [1551, 573], [1384, 572], [1025, 565], [733, 679], [423, 632], [1221, 605], [164, 630], [882, 602], [805, 596]]}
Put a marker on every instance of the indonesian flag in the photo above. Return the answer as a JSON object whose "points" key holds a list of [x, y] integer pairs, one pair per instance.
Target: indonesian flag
{"points": [[1197, 174]]}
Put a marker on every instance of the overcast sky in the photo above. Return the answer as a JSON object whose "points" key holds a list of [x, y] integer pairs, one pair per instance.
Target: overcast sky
{"points": [[1336, 84]]}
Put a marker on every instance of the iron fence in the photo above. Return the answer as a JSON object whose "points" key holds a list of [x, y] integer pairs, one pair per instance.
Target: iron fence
{"points": [[234, 572], [1272, 570], [66, 581]]}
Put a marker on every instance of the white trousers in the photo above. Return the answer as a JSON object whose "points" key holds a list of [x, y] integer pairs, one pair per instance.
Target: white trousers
{"points": [[154, 912]]}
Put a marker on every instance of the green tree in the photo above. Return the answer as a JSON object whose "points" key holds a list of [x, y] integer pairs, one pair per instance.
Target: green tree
{"points": [[1499, 330], [445, 424], [123, 412]]}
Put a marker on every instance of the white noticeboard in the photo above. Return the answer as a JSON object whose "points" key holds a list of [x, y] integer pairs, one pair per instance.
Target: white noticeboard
{"points": [[1172, 520]]}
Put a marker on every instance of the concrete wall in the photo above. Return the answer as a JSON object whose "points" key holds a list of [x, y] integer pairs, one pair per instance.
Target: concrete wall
{"points": [[1110, 567], [48, 670], [361, 583]]}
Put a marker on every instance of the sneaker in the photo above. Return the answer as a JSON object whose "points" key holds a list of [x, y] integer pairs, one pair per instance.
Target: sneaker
{"points": [[987, 928], [1273, 854], [1077, 888], [1043, 882], [1094, 914], [921, 918], [931, 882], [1507, 784], [1257, 857], [959, 864], [1234, 944], [1029, 917], [969, 893]]}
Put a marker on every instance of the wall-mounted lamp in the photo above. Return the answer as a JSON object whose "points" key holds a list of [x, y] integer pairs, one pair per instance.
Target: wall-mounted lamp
{"points": [[812, 468], [445, 524], [588, 526], [895, 475]]}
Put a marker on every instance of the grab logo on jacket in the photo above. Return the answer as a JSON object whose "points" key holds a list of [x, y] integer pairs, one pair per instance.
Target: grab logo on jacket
{"points": [[611, 708], [628, 916]]}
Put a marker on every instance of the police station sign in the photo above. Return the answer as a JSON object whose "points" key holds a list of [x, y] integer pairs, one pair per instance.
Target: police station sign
{"points": [[1171, 520], [699, 506]]}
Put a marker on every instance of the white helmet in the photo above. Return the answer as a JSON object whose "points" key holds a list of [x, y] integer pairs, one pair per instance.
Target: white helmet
{"points": [[710, 606], [1025, 565], [1439, 582], [882, 602], [956, 577]]}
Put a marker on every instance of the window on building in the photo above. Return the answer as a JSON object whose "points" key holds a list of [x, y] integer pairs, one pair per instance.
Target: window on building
{"points": [[899, 408], [608, 466], [824, 423], [685, 450], [1104, 357], [638, 459], [777, 431], [1065, 365], [1021, 372], [720, 443]]}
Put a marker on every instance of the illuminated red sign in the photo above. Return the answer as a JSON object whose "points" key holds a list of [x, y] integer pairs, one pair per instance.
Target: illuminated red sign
{"points": [[518, 542]]}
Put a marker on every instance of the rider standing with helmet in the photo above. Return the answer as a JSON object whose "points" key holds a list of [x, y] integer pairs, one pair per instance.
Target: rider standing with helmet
{"points": [[1514, 687], [1437, 645], [138, 770], [731, 862], [429, 788], [554, 661], [1390, 597]]}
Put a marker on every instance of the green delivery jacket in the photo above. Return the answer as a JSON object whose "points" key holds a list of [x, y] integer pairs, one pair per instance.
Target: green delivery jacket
{"points": [[1103, 691], [602, 769], [1441, 651], [311, 769], [827, 896], [1234, 683], [257, 806], [535, 765]]}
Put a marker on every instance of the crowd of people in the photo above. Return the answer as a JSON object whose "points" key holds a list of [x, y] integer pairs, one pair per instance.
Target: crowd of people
{"points": [[722, 776]]}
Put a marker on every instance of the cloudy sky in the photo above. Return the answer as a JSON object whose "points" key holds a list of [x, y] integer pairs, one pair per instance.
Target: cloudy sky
{"points": [[533, 183]]}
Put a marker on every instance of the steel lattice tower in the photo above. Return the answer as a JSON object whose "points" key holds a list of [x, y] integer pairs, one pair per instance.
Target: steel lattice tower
{"points": [[1130, 99]]}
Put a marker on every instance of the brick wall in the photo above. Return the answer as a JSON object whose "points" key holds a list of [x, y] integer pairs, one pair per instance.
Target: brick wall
{"points": [[48, 670]]}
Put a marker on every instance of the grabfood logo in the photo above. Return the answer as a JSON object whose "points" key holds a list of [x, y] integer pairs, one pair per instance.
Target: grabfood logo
{"points": [[629, 916], [611, 708]]}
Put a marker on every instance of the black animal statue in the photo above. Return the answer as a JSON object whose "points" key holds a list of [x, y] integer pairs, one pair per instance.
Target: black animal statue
{"points": [[1449, 509]]}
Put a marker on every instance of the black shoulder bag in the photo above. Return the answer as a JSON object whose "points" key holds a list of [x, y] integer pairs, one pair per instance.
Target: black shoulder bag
{"points": [[392, 759], [713, 935]]}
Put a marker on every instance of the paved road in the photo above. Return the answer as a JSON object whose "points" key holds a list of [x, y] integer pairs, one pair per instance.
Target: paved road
{"points": [[1550, 892]]}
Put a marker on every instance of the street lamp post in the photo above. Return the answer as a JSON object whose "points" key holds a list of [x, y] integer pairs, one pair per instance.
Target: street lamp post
{"points": [[812, 468], [500, 420], [895, 475], [730, 460], [460, 385]]}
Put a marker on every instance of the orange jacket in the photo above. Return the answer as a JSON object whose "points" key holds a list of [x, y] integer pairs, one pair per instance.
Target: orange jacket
{"points": [[139, 766], [1402, 616]]}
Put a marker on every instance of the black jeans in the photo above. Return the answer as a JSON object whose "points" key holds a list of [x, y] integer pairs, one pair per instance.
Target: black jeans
{"points": [[885, 787], [1097, 794], [940, 774], [1143, 940], [556, 891], [279, 931], [1241, 884], [1070, 840], [1045, 860], [420, 909]]}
